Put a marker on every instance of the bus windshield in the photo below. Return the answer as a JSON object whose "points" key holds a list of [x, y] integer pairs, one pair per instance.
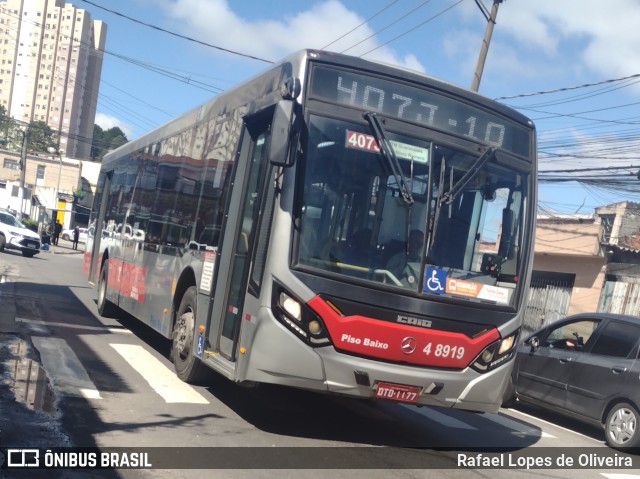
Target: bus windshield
{"points": [[459, 237]]}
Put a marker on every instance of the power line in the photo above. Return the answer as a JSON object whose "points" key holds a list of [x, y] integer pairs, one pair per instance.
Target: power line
{"points": [[387, 26], [586, 85], [414, 28], [104, 98], [184, 37], [584, 96], [603, 168], [363, 23]]}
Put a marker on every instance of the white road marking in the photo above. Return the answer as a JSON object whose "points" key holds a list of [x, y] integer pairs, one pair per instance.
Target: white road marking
{"points": [[443, 419], [64, 369], [36, 324], [620, 476], [528, 416], [518, 428], [160, 378]]}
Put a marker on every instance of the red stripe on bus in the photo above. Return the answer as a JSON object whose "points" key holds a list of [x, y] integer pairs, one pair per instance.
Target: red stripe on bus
{"points": [[379, 339], [127, 278]]}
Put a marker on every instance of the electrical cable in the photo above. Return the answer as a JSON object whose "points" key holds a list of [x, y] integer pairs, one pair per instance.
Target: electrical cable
{"points": [[169, 32]]}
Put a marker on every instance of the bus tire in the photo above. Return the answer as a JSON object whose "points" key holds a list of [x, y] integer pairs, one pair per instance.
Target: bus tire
{"points": [[105, 307], [188, 367]]}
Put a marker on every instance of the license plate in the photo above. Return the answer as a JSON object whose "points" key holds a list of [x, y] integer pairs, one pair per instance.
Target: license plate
{"points": [[397, 392]]}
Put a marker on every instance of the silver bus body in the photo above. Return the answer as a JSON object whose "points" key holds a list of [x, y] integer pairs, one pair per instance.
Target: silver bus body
{"points": [[332, 224]]}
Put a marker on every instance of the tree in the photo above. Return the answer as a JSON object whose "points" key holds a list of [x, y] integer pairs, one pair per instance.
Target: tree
{"points": [[5, 127], [106, 140], [40, 136]]}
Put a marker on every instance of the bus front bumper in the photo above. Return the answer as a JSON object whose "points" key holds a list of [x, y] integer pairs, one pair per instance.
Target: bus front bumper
{"points": [[278, 357]]}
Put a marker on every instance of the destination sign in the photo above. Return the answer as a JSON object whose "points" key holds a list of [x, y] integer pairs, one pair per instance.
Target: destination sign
{"points": [[420, 105]]}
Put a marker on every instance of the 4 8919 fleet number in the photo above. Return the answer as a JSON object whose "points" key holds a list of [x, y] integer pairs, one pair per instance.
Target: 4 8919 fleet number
{"points": [[443, 351]]}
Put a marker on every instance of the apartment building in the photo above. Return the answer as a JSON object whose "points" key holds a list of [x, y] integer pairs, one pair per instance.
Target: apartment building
{"points": [[50, 65]]}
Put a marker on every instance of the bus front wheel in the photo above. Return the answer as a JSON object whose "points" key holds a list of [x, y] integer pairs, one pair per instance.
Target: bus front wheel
{"points": [[188, 366]]}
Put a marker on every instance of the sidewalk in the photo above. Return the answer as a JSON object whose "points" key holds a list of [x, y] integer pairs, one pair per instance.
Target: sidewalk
{"points": [[64, 247]]}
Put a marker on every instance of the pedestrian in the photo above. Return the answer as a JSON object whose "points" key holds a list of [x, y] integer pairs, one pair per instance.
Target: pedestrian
{"points": [[57, 229], [48, 231], [76, 237]]}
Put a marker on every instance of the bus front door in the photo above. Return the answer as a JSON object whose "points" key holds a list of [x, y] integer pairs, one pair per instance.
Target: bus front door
{"points": [[249, 181]]}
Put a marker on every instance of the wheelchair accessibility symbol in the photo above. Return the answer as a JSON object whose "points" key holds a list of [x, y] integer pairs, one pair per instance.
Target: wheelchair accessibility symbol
{"points": [[434, 280]]}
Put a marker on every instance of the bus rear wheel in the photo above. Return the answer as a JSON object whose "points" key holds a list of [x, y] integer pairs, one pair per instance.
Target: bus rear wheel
{"points": [[105, 307], [188, 367]]}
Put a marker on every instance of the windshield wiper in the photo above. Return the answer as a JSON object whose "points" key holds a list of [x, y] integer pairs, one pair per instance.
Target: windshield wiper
{"points": [[477, 166], [455, 189], [390, 156], [438, 205]]}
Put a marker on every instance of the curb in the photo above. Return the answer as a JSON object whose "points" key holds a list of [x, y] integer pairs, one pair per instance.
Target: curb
{"points": [[61, 251]]}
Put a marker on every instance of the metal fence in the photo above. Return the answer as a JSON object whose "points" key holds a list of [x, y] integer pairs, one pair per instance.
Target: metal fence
{"points": [[549, 297], [620, 297]]}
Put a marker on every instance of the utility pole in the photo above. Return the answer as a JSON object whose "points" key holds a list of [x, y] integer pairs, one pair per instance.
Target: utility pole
{"points": [[23, 169], [491, 21]]}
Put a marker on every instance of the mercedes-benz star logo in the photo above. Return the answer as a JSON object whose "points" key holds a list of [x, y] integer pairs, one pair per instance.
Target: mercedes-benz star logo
{"points": [[408, 345]]}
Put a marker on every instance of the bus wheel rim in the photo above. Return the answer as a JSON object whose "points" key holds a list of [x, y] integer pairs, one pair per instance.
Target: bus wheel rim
{"points": [[184, 333]]}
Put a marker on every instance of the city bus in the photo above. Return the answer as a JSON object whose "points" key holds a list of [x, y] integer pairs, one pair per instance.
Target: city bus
{"points": [[332, 224]]}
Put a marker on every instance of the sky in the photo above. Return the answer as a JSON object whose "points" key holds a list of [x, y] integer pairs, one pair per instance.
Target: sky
{"points": [[572, 66]]}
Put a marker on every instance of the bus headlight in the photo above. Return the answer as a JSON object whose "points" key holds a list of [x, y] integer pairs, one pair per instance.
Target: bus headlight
{"points": [[299, 318], [290, 306], [495, 354], [506, 344]]}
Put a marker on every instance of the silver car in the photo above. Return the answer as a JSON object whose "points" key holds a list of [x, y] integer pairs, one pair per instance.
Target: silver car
{"points": [[586, 367]]}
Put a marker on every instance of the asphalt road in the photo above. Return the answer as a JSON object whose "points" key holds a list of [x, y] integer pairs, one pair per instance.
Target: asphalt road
{"points": [[70, 378]]}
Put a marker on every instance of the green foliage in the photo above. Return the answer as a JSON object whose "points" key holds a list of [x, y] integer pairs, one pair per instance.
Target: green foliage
{"points": [[31, 224], [106, 140], [40, 137], [5, 127]]}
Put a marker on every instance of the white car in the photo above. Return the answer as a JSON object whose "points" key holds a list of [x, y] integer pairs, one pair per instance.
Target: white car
{"points": [[68, 235], [15, 235]]}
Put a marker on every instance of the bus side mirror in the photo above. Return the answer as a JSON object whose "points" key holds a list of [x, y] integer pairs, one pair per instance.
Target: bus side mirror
{"points": [[282, 133]]}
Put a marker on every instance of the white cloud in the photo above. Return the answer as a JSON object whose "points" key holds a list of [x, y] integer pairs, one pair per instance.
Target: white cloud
{"points": [[213, 21], [604, 36], [107, 122]]}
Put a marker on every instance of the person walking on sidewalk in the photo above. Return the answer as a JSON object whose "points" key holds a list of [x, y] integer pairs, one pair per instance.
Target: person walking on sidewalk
{"points": [[76, 237], [57, 229]]}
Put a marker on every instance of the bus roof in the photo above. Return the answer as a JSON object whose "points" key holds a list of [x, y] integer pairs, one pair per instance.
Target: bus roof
{"points": [[295, 63]]}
